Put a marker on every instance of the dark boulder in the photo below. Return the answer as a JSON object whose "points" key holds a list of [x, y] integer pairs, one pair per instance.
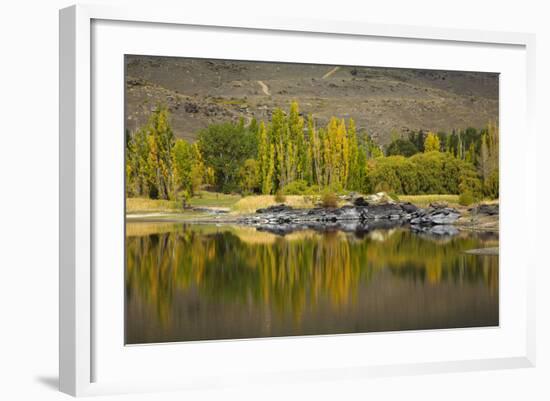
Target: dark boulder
{"points": [[409, 207], [360, 201]]}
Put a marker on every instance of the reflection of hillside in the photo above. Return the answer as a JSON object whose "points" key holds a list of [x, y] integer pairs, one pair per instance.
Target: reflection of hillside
{"points": [[241, 265]]}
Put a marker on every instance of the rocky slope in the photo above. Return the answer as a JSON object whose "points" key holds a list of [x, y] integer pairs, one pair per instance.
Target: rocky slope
{"points": [[200, 92]]}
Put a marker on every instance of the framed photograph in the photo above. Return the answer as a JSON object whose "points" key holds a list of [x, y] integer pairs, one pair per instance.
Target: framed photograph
{"points": [[278, 200]]}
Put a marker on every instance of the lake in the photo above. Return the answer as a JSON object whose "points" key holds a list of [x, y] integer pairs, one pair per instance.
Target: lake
{"points": [[189, 282]]}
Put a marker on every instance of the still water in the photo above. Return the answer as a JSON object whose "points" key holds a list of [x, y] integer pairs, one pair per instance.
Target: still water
{"points": [[203, 282]]}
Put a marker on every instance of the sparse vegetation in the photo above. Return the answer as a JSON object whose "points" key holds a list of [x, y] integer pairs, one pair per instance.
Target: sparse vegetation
{"points": [[300, 187], [329, 199], [466, 198], [386, 103]]}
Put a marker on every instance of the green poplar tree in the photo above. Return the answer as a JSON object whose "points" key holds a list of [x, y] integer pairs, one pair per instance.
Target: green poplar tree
{"points": [[354, 167]]}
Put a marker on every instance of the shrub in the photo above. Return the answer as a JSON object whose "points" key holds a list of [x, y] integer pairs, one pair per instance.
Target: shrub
{"points": [[280, 197], [466, 198], [423, 173], [402, 147], [298, 187], [391, 174], [430, 171], [329, 199]]}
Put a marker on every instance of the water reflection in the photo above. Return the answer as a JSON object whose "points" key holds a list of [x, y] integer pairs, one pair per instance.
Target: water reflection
{"points": [[205, 282]]}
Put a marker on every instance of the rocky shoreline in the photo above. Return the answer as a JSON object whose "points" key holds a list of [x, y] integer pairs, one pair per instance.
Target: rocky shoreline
{"points": [[358, 217]]}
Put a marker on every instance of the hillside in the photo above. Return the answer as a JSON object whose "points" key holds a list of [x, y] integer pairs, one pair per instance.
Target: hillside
{"points": [[381, 100]]}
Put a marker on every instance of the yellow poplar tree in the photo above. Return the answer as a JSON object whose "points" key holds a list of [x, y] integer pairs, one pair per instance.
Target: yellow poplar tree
{"points": [[432, 143]]}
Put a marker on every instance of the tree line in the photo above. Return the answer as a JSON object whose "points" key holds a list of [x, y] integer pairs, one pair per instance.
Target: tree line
{"points": [[291, 154]]}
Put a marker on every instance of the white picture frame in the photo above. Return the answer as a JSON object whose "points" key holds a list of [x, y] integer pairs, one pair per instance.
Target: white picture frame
{"points": [[79, 315]]}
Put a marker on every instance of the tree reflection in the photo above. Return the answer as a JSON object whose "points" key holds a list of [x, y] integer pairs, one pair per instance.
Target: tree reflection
{"points": [[235, 265]]}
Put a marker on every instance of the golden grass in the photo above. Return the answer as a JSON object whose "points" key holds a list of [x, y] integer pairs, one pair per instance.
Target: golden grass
{"points": [[250, 204], [425, 200], [141, 205]]}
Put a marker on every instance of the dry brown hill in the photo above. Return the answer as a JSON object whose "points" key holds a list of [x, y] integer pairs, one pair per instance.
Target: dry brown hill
{"points": [[200, 92]]}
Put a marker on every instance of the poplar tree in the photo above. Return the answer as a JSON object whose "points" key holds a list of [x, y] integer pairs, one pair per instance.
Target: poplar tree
{"points": [[182, 155], [249, 176], [471, 154], [265, 156], [315, 151], [268, 179], [354, 166], [491, 181], [279, 138], [460, 147], [343, 148], [198, 170], [432, 143], [136, 162], [484, 159], [297, 157]]}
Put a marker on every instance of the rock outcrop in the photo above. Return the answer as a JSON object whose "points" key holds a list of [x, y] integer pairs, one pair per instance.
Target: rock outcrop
{"points": [[435, 216], [488, 210], [361, 216]]}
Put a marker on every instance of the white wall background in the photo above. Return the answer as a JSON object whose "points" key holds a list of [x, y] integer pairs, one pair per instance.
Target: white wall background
{"points": [[29, 197]]}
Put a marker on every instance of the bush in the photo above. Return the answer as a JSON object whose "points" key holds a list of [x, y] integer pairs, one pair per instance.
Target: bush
{"points": [[298, 187], [391, 174], [280, 197], [466, 198], [430, 168], [423, 173], [403, 147], [329, 199]]}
